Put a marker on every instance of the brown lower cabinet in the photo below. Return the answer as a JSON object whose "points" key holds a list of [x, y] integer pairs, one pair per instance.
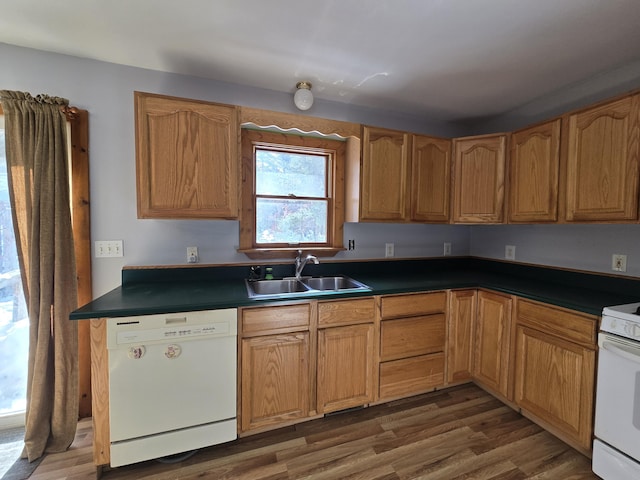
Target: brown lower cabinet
{"points": [[462, 316], [298, 361], [275, 379], [412, 343], [275, 367], [555, 370], [345, 354], [301, 360], [493, 344]]}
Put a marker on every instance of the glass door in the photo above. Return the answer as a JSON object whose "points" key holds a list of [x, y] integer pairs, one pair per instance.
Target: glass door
{"points": [[14, 322]]}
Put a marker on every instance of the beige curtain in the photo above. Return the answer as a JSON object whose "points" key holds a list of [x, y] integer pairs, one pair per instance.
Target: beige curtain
{"points": [[38, 177]]}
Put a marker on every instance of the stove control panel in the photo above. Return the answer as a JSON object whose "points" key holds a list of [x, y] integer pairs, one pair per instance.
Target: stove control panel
{"points": [[622, 327]]}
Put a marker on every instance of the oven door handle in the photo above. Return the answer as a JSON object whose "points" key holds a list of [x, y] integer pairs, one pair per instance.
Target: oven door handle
{"points": [[630, 353]]}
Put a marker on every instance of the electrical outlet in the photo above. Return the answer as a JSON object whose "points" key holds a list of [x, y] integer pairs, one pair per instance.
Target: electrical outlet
{"points": [[618, 262], [447, 249], [192, 254], [352, 244], [108, 248], [510, 252], [388, 249]]}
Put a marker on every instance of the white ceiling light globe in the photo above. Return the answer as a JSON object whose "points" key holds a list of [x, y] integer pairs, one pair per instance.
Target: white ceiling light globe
{"points": [[303, 98]]}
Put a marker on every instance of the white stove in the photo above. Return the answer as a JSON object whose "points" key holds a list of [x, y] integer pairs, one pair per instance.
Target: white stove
{"points": [[616, 449]]}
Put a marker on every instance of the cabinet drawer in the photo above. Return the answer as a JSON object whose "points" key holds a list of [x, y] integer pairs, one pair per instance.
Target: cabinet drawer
{"points": [[407, 337], [411, 375], [571, 326], [413, 304], [275, 319], [346, 312]]}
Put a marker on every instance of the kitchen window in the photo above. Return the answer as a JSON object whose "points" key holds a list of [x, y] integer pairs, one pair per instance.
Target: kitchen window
{"points": [[292, 194]]}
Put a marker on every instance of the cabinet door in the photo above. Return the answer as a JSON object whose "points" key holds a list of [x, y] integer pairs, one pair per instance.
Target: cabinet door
{"points": [[345, 367], [555, 383], [275, 379], [534, 165], [479, 179], [385, 163], [186, 158], [462, 314], [493, 343], [602, 162], [431, 177]]}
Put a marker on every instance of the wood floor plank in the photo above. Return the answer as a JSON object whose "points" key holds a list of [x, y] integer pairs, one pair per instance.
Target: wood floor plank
{"points": [[424, 467], [547, 459], [458, 433], [332, 438], [335, 457], [493, 471]]}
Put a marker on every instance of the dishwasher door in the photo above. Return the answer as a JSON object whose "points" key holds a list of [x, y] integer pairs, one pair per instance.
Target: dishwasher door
{"points": [[172, 373]]}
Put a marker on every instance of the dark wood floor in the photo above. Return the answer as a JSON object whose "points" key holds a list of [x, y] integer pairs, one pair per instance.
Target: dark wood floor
{"points": [[459, 433]]}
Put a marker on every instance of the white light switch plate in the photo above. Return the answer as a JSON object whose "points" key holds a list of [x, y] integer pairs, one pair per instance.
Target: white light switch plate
{"points": [[108, 248]]}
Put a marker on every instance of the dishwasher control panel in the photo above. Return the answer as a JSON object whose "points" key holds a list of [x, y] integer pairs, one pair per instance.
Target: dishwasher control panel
{"points": [[145, 329], [170, 333]]}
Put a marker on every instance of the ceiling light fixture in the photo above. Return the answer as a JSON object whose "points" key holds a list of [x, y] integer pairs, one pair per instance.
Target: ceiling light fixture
{"points": [[303, 98]]}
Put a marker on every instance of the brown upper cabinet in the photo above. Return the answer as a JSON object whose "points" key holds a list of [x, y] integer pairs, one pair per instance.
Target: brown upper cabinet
{"points": [[430, 179], [601, 171], [479, 178], [384, 174], [534, 165], [186, 158], [404, 177], [583, 167]]}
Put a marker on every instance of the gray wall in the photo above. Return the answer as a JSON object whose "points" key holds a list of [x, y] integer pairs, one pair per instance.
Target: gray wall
{"points": [[583, 247], [106, 91]]}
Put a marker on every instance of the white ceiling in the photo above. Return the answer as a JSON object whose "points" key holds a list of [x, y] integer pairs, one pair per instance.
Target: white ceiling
{"points": [[442, 59]]}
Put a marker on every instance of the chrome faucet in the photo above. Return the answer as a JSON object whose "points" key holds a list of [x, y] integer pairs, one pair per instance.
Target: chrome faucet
{"points": [[301, 262]]}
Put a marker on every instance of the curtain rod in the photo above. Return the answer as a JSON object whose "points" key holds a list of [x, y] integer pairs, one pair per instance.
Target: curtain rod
{"points": [[70, 112]]}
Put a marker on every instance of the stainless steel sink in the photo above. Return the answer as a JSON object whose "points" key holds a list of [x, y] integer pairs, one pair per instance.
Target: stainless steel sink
{"points": [[333, 283], [275, 287], [292, 287]]}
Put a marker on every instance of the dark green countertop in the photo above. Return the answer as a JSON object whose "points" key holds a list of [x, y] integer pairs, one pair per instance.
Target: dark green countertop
{"points": [[169, 290]]}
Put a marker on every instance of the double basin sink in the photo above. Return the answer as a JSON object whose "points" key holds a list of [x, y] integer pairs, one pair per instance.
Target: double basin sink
{"points": [[292, 287]]}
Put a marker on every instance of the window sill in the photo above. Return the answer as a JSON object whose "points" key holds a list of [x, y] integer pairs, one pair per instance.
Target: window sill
{"points": [[274, 253]]}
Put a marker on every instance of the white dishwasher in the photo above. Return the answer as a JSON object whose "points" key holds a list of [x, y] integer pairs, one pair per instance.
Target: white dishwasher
{"points": [[172, 383]]}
